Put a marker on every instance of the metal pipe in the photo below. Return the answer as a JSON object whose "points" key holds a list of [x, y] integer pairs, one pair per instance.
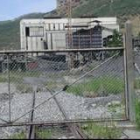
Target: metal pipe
{"points": [[65, 50], [55, 123], [9, 90], [125, 80], [31, 127], [4, 120], [137, 68]]}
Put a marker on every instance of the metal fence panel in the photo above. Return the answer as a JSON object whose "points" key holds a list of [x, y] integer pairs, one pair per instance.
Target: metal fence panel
{"points": [[67, 86]]}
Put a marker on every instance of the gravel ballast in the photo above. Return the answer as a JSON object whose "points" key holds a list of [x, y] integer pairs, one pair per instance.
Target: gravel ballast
{"points": [[76, 107]]}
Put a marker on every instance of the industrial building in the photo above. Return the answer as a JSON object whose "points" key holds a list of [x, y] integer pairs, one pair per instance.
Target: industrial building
{"points": [[58, 33]]}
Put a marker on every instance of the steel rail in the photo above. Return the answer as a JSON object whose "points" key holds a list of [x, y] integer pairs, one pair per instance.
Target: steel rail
{"points": [[73, 128], [58, 104], [65, 88], [56, 123], [31, 134], [80, 133]]}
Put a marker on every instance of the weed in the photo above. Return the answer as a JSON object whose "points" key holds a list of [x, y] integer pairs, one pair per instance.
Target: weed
{"points": [[18, 136], [24, 88], [137, 107], [137, 84], [54, 85], [16, 77], [101, 132], [110, 85], [117, 110], [44, 134]]}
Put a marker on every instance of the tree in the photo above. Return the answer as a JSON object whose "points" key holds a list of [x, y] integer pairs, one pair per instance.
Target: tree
{"points": [[139, 34], [115, 40]]}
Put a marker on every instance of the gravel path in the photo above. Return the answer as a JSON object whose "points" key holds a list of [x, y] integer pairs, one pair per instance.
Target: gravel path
{"points": [[4, 88], [76, 107]]}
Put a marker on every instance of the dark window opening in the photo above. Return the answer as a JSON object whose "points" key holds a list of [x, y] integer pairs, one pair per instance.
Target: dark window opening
{"points": [[27, 31]]}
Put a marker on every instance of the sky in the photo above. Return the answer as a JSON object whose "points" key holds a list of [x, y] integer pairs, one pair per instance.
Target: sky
{"points": [[10, 9]]}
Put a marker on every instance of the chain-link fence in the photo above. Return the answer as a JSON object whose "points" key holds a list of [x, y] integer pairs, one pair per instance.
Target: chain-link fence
{"points": [[87, 86], [42, 88], [136, 48], [63, 86]]}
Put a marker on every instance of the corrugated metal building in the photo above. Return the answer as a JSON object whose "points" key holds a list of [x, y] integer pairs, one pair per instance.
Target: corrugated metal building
{"points": [[52, 33], [86, 38]]}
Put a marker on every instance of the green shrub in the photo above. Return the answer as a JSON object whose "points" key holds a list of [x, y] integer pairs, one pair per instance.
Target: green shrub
{"points": [[18, 136], [3, 79], [137, 84], [137, 106], [108, 85], [44, 134], [101, 132], [16, 77]]}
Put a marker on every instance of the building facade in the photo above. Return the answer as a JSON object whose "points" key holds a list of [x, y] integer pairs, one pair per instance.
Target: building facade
{"points": [[53, 34]]}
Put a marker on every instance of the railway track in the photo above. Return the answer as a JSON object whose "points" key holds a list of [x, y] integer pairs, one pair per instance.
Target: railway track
{"points": [[73, 128], [31, 128]]}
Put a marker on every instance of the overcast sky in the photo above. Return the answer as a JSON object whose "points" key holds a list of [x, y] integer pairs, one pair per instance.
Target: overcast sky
{"points": [[10, 9]]}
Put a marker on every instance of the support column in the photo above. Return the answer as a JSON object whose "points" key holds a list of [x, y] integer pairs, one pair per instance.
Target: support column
{"points": [[129, 72]]}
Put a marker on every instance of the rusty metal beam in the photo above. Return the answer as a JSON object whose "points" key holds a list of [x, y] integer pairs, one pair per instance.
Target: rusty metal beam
{"points": [[78, 26], [31, 131], [55, 123]]}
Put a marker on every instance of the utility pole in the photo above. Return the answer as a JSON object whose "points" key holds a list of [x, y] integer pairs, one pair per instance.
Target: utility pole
{"points": [[69, 14], [70, 38], [111, 10]]}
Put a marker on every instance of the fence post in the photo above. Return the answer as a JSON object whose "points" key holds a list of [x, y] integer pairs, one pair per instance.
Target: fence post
{"points": [[9, 88], [129, 72]]}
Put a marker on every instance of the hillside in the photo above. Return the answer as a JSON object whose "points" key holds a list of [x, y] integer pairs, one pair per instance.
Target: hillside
{"points": [[106, 8], [10, 34], [123, 9]]}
